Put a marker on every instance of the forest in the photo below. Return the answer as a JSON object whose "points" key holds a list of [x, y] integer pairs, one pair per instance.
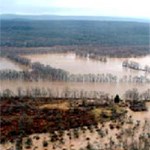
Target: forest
{"points": [[34, 33]]}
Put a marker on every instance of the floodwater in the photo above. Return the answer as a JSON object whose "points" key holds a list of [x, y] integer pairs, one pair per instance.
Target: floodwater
{"points": [[58, 87], [8, 64], [79, 65], [75, 64], [70, 62]]}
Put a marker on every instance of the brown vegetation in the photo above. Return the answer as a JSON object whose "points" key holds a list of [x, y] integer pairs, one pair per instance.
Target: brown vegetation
{"points": [[24, 116]]}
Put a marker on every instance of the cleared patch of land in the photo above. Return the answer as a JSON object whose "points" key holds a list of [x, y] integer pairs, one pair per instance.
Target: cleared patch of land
{"points": [[56, 105]]}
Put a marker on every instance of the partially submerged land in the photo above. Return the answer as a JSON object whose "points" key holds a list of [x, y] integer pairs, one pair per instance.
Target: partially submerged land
{"points": [[80, 124], [44, 116]]}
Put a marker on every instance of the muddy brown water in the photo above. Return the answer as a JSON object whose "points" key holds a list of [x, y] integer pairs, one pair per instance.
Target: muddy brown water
{"points": [[8, 64], [111, 88], [75, 64]]}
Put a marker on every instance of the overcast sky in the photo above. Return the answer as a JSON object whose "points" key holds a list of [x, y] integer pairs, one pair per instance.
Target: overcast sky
{"points": [[126, 8]]}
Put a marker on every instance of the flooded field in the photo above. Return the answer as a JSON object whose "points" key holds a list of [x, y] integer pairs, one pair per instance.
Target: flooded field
{"points": [[77, 65], [58, 87], [74, 82], [98, 136], [8, 64]]}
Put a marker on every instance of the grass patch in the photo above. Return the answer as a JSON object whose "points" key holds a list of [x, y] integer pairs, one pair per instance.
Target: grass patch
{"points": [[58, 105], [107, 113]]}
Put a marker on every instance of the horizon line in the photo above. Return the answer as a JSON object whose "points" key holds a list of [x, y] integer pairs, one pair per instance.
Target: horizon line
{"points": [[46, 14]]}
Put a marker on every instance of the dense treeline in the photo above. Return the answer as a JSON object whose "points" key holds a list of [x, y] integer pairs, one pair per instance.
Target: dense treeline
{"points": [[20, 60], [41, 72], [35, 50], [47, 72], [90, 33], [101, 78], [131, 94], [135, 66], [134, 79], [92, 51], [54, 93], [112, 51]]}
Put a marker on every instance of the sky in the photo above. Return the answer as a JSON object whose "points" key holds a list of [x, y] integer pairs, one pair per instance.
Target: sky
{"points": [[120, 8]]}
